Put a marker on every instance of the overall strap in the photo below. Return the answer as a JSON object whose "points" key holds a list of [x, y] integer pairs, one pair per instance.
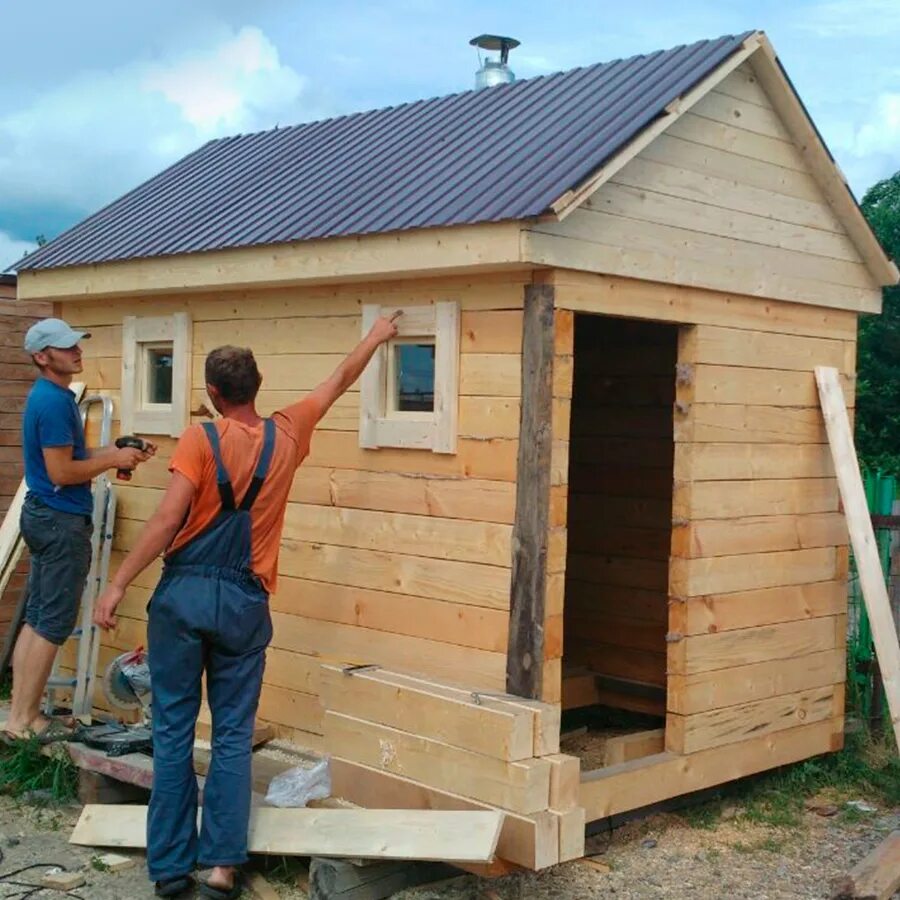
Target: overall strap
{"points": [[226, 492], [262, 467]]}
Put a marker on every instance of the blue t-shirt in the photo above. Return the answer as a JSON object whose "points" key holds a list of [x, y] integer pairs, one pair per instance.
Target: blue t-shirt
{"points": [[52, 419]]}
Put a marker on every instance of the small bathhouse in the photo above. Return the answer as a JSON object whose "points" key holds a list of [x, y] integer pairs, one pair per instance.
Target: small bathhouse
{"points": [[590, 480]]}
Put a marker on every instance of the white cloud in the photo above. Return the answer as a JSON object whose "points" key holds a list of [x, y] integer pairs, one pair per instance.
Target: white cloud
{"points": [[12, 250], [90, 139], [851, 18]]}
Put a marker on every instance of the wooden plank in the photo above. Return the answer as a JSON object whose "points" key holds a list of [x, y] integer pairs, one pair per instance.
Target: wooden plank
{"points": [[467, 835], [862, 537], [622, 748], [734, 461], [737, 499], [691, 694], [653, 779], [525, 654], [750, 349], [758, 534], [730, 649], [641, 298], [565, 778], [750, 116], [715, 613], [530, 841], [428, 536], [715, 422], [765, 387], [429, 711], [522, 786], [735, 724], [875, 877], [571, 825]]}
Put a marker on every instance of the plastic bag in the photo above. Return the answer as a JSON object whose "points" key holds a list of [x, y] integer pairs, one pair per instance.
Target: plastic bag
{"points": [[296, 787]]}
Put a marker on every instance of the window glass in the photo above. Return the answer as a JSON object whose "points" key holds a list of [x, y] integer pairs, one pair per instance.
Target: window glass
{"points": [[414, 371], [159, 375]]}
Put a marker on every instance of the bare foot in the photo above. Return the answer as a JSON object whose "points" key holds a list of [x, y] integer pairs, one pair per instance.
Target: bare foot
{"points": [[222, 877]]}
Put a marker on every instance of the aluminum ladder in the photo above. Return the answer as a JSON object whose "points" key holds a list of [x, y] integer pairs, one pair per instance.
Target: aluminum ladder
{"points": [[86, 634]]}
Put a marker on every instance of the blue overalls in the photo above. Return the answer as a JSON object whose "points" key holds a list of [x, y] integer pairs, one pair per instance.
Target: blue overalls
{"points": [[209, 612]]}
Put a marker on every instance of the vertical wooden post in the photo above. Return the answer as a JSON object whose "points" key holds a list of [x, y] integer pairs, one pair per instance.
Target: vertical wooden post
{"points": [[525, 652]]}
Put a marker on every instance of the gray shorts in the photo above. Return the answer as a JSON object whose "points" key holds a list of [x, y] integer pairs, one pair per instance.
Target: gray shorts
{"points": [[60, 546]]}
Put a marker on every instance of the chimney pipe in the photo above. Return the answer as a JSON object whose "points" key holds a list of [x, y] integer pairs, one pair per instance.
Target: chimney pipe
{"points": [[494, 72]]}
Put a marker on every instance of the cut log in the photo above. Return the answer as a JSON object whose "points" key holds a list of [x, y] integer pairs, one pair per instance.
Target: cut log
{"points": [[330, 879], [464, 836], [876, 877]]}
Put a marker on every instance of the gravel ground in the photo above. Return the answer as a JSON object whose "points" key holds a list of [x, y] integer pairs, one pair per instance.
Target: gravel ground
{"points": [[658, 857]]}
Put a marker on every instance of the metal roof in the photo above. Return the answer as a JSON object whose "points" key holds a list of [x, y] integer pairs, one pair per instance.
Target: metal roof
{"points": [[502, 153]]}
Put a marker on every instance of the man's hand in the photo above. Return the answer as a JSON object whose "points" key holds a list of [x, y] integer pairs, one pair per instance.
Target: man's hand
{"points": [[105, 607], [130, 457], [385, 327]]}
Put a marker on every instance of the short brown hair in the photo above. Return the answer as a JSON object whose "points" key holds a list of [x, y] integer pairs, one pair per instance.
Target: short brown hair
{"points": [[234, 374]]}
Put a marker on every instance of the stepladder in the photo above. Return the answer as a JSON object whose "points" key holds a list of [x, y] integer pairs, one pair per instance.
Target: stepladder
{"points": [[80, 685]]}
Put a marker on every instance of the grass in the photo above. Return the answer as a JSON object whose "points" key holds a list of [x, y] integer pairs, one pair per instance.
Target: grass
{"points": [[864, 769], [25, 768]]}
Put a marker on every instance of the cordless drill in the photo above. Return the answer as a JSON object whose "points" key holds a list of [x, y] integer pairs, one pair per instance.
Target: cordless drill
{"points": [[128, 440]]}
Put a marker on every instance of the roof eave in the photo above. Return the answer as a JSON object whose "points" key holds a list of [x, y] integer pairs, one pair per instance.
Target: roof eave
{"points": [[420, 253]]}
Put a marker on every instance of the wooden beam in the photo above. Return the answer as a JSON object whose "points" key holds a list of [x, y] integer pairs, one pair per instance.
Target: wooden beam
{"points": [[444, 714], [862, 537], [425, 252], [531, 532], [526, 840], [875, 877], [469, 835]]}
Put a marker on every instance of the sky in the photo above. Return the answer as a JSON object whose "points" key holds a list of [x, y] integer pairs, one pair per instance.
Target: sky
{"points": [[97, 96]]}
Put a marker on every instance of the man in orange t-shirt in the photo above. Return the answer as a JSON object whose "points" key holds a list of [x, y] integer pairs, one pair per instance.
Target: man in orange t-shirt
{"points": [[220, 523]]}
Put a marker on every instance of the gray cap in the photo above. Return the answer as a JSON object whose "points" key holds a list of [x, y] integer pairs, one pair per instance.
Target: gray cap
{"points": [[52, 333]]}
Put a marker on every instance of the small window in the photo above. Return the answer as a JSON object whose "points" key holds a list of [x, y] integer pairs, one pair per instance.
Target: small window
{"points": [[411, 377], [409, 389], [157, 381], [156, 374]]}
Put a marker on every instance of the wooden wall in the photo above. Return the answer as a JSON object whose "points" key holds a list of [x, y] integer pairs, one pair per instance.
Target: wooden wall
{"points": [[723, 200], [758, 572], [17, 374], [620, 500], [396, 557]]}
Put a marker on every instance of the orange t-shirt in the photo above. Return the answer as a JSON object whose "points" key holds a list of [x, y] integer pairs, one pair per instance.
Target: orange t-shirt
{"points": [[241, 446]]}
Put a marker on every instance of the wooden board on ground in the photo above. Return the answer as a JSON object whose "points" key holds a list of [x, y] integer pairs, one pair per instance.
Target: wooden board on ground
{"points": [[862, 537], [876, 877], [466, 836]]}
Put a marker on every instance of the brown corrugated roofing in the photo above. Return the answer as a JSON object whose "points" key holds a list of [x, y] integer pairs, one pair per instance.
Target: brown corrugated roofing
{"points": [[502, 153]]}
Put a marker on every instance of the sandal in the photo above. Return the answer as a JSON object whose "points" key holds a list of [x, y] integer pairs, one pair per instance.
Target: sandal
{"points": [[172, 887], [53, 732], [232, 893]]}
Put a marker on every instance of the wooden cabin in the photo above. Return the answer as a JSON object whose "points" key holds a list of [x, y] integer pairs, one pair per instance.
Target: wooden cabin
{"points": [[587, 489]]}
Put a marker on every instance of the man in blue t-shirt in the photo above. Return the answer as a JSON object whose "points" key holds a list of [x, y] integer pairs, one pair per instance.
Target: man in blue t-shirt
{"points": [[56, 519]]}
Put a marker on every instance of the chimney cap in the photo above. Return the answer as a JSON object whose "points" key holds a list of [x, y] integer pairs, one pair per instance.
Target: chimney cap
{"points": [[494, 42]]}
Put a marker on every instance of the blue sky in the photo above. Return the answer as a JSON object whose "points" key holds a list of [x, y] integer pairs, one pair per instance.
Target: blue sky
{"points": [[97, 96]]}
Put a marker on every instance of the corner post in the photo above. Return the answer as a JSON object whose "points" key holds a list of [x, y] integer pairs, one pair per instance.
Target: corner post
{"points": [[531, 531]]}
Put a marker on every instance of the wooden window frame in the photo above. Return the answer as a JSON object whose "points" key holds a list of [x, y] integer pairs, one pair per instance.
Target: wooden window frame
{"points": [[139, 334], [382, 426]]}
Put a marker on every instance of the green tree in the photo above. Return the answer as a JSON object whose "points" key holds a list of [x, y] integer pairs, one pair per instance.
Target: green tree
{"points": [[878, 362]]}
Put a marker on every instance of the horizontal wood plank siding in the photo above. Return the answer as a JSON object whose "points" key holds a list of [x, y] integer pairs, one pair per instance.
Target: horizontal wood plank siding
{"points": [[393, 557]]}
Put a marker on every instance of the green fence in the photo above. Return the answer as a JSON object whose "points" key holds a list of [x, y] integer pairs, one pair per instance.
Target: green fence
{"points": [[863, 684]]}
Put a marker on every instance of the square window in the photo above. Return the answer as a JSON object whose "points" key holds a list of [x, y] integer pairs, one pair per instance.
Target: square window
{"points": [[156, 374], [409, 390]]}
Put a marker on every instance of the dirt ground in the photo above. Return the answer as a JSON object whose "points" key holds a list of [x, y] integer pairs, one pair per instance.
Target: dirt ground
{"points": [[678, 856]]}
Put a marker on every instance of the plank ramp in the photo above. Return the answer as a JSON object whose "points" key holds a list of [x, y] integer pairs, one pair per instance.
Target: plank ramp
{"points": [[460, 835]]}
